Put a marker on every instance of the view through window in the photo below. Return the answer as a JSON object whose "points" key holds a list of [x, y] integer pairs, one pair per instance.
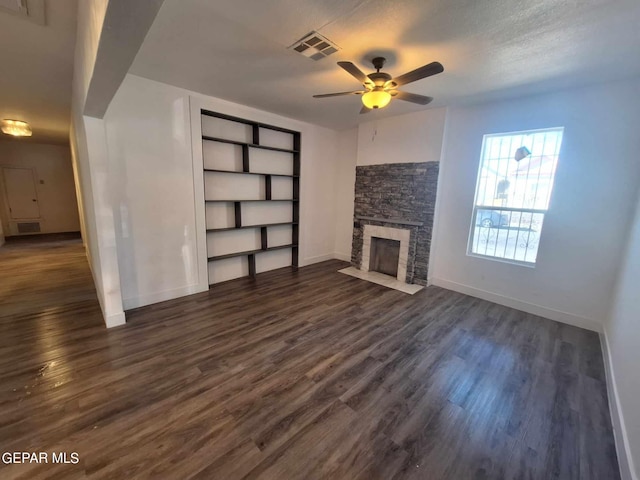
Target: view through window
{"points": [[512, 193]]}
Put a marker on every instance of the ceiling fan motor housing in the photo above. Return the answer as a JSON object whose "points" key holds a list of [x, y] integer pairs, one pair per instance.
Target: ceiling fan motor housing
{"points": [[379, 78], [378, 62]]}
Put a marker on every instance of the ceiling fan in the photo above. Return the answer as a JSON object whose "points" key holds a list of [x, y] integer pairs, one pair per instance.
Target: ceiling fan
{"points": [[380, 87]]}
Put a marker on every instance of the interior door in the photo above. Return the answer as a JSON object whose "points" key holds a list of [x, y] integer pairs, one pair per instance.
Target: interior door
{"points": [[21, 193]]}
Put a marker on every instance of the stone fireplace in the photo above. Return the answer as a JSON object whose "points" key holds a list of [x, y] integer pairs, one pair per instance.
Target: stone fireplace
{"points": [[395, 202]]}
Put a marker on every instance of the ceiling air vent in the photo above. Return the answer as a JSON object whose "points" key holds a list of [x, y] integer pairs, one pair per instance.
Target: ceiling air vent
{"points": [[315, 46]]}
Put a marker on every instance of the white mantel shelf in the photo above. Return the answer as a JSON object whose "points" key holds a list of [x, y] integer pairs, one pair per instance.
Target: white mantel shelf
{"points": [[397, 221]]}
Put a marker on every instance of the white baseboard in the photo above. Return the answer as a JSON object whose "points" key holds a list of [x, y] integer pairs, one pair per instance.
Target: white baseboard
{"points": [[114, 320], [346, 257], [142, 300], [557, 315], [320, 258], [625, 460], [323, 258]]}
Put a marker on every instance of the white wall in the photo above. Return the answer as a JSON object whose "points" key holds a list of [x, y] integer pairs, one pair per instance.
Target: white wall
{"points": [[56, 195], [411, 138], [344, 192], [590, 208], [91, 169], [160, 213], [622, 356], [91, 17], [150, 153], [89, 150]]}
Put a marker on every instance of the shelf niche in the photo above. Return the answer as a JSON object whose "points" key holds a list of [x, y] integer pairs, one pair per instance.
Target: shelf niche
{"points": [[252, 193]]}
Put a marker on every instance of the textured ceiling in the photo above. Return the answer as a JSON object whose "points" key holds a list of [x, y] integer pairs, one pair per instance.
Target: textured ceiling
{"points": [[37, 67], [490, 49]]}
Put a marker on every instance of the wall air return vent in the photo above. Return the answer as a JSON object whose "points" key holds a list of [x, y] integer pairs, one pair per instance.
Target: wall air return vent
{"points": [[28, 227], [315, 46]]}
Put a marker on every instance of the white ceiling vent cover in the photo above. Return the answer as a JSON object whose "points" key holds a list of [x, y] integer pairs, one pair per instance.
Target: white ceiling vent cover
{"points": [[315, 46]]}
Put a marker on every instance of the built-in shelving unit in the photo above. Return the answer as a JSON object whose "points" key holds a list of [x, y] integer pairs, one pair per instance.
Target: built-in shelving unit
{"points": [[254, 200], [250, 173], [277, 190], [250, 145], [250, 226]]}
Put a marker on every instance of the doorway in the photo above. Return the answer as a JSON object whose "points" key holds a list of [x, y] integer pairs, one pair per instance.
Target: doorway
{"points": [[21, 194]]}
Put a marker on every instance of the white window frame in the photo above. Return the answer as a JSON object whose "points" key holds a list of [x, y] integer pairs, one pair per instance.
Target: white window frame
{"points": [[476, 207]]}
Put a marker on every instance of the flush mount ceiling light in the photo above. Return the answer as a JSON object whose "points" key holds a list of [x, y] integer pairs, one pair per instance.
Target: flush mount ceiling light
{"points": [[380, 87], [17, 128]]}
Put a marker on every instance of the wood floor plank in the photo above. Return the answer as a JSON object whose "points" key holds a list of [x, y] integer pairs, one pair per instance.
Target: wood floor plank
{"points": [[297, 374]]}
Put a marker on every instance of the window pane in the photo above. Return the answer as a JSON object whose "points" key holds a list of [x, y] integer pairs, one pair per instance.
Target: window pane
{"points": [[507, 234], [516, 176]]}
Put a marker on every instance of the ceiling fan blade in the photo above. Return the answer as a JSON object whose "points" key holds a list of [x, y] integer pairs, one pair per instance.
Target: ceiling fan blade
{"points": [[355, 72], [419, 73], [339, 94], [365, 109], [413, 98]]}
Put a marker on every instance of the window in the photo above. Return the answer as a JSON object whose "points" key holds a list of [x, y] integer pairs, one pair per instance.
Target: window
{"points": [[514, 187]]}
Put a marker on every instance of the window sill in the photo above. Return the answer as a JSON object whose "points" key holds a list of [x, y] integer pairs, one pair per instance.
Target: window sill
{"points": [[502, 260]]}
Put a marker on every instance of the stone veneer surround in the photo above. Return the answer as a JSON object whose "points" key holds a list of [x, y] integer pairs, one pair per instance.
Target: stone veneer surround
{"points": [[390, 233], [397, 195]]}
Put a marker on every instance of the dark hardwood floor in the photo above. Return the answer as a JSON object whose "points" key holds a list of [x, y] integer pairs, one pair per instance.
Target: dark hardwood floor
{"points": [[295, 375]]}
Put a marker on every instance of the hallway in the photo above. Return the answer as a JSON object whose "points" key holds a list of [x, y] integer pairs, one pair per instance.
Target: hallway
{"points": [[47, 303], [49, 314], [49, 280]]}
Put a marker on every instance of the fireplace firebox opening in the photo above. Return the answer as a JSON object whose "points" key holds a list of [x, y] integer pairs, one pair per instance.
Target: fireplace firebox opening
{"points": [[384, 256]]}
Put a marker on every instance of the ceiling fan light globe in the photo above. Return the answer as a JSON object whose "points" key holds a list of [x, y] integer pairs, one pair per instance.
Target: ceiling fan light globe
{"points": [[376, 99]]}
